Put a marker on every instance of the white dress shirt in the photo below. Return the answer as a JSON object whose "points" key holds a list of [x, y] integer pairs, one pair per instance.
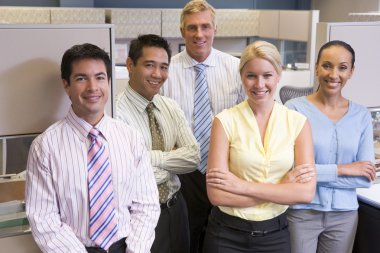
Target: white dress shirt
{"points": [[181, 153], [56, 186], [224, 83]]}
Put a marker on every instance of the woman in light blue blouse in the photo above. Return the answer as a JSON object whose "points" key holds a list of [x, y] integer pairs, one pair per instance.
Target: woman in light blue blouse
{"points": [[344, 156]]}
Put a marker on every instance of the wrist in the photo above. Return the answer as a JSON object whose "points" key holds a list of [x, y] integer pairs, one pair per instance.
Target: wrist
{"points": [[340, 169]]}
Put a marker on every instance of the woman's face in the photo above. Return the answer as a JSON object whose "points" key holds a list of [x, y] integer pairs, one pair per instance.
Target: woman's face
{"points": [[260, 80], [334, 69]]}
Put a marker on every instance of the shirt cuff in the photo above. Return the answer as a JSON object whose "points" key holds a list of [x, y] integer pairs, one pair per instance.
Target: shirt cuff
{"points": [[156, 158]]}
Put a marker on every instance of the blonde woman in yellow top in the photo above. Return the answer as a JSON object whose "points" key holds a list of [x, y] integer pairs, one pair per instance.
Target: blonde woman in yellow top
{"points": [[260, 161]]}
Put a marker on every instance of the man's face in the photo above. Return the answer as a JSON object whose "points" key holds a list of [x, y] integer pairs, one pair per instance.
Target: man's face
{"points": [[88, 89], [150, 71], [198, 32]]}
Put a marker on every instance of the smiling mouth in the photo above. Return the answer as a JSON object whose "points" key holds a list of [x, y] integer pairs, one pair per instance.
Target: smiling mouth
{"points": [[91, 98], [154, 83], [200, 43], [260, 93]]}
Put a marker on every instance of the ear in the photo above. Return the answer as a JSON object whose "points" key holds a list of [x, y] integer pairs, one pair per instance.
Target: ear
{"points": [[66, 86], [182, 32], [316, 69], [216, 29], [352, 72], [129, 64]]}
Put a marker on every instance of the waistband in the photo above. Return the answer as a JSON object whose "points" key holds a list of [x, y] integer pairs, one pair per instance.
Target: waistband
{"points": [[255, 228], [116, 247], [171, 201]]}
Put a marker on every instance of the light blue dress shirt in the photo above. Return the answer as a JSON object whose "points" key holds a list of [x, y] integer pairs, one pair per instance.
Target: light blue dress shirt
{"points": [[346, 141]]}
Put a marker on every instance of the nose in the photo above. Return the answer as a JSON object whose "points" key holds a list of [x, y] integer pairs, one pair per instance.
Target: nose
{"points": [[333, 73], [92, 84], [260, 82], [198, 32], [156, 72]]}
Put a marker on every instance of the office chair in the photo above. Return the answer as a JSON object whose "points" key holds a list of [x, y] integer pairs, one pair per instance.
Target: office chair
{"points": [[289, 92]]}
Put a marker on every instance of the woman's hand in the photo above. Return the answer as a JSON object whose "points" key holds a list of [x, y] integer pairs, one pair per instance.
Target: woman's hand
{"points": [[300, 174], [361, 168], [225, 180]]}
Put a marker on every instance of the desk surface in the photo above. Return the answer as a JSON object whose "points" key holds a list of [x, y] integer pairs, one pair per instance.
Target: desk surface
{"points": [[370, 196]]}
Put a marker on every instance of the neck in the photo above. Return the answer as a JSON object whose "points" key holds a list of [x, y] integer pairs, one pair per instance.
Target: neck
{"points": [[328, 100], [262, 110]]}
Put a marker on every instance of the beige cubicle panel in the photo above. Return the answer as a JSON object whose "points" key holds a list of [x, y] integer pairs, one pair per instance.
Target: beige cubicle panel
{"points": [[294, 25], [77, 16], [170, 23], [24, 15], [237, 23], [31, 91], [129, 23], [269, 23]]}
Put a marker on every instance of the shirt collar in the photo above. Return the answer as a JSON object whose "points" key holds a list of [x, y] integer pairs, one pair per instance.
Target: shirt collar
{"points": [[190, 62], [82, 128], [139, 101]]}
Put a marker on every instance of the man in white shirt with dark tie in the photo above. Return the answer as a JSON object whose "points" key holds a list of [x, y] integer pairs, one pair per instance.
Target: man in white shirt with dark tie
{"points": [[172, 147], [201, 61], [90, 187]]}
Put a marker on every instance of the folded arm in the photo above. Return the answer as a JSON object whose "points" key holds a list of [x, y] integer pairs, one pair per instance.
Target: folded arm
{"points": [[184, 156], [225, 189]]}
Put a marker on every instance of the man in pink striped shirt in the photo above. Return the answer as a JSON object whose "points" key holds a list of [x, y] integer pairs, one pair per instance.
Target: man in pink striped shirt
{"points": [[57, 186]]}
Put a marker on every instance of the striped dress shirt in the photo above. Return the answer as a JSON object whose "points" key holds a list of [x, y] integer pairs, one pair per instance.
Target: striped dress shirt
{"points": [[181, 153], [56, 186], [224, 84]]}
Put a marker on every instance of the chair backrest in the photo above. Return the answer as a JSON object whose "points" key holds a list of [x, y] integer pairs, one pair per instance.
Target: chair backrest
{"points": [[289, 92]]}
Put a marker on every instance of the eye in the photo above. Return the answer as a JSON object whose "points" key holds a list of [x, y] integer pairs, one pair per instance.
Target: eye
{"points": [[80, 78], [191, 28], [343, 68], [267, 76], [251, 76], [149, 65], [326, 65], [206, 27], [101, 77], [164, 67]]}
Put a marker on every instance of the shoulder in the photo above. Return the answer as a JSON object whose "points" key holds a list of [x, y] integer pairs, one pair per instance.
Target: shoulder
{"points": [[358, 107], [168, 102], [44, 140], [296, 102], [224, 57], [119, 125], [178, 58], [359, 111], [234, 112], [291, 115]]}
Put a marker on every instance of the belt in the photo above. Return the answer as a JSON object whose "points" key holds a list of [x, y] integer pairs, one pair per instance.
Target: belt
{"points": [[254, 228], [117, 247], [171, 201]]}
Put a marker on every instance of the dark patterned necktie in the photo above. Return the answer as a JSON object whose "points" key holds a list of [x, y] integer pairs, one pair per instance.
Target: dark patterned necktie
{"points": [[157, 144]]}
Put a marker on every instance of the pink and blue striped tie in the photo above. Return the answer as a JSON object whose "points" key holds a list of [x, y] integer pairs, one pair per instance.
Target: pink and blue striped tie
{"points": [[103, 225], [202, 115]]}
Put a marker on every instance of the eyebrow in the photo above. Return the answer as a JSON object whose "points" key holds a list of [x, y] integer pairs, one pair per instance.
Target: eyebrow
{"points": [[154, 62], [97, 74]]}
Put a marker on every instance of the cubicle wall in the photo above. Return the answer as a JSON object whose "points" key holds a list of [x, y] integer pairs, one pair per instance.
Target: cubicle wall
{"points": [[364, 37], [32, 98], [31, 91]]}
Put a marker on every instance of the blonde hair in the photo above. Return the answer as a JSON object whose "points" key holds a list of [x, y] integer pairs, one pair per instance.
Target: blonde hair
{"points": [[196, 6], [264, 50]]}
